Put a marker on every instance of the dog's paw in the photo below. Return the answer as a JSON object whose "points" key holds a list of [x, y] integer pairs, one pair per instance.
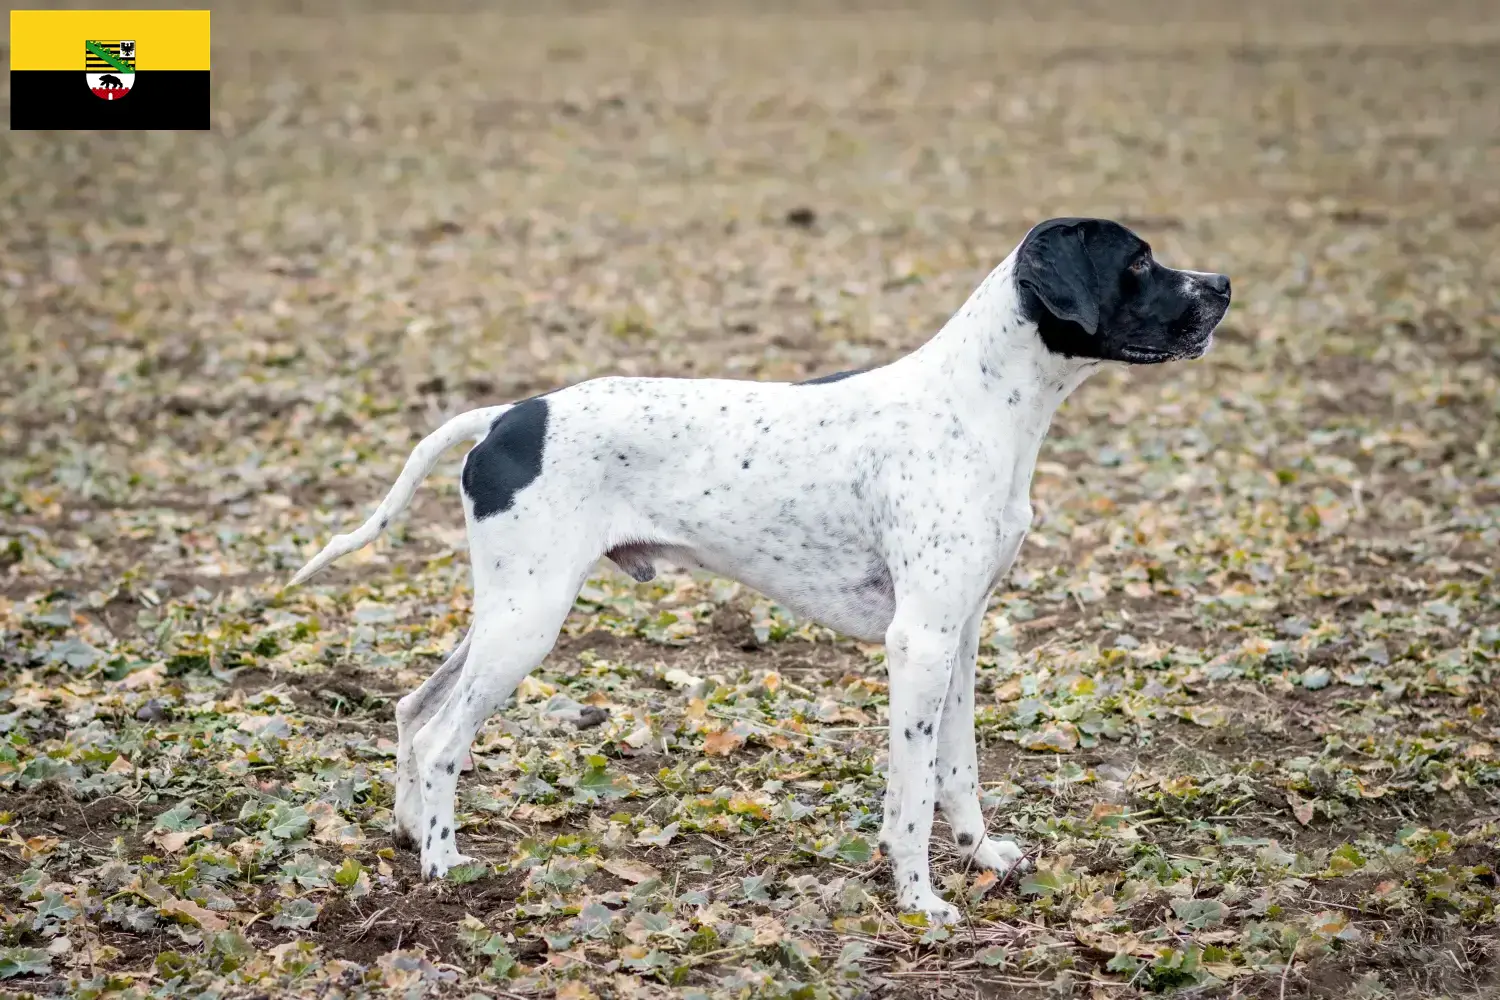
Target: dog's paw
{"points": [[403, 838], [926, 901], [406, 820], [999, 855], [435, 868]]}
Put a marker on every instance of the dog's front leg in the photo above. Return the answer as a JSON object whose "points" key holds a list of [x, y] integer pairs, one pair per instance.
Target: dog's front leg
{"points": [[958, 763], [919, 656]]}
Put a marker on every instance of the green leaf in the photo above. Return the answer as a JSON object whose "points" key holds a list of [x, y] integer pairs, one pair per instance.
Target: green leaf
{"points": [[855, 849], [307, 870], [1040, 883], [1200, 913], [501, 965], [1345, 859], [296, 914], [936, 934], [1316, 678], [598, 783], [473, 871], [1275, 856], [232, 948], [24, 962], [347, 873], [53, 906], [170, 964], [996, 956], [29, 882], [75, 653], [754, 887], [287, 822]]}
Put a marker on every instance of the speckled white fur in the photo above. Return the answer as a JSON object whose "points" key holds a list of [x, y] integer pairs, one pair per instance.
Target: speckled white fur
{"points": [[885, 506]]}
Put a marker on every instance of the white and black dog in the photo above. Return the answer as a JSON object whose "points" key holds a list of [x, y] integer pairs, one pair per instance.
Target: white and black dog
{"points": [[884, 504]]}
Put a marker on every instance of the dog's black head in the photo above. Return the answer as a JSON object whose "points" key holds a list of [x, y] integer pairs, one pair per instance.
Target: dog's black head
{"points": [[1094, 291]]}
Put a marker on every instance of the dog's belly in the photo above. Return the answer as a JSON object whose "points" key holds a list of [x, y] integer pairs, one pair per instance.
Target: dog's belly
{"points": [[850, 593], [816, 559]]}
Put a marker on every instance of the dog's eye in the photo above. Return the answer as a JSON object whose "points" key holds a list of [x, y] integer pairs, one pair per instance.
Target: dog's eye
{"points": [[1140, 265]]}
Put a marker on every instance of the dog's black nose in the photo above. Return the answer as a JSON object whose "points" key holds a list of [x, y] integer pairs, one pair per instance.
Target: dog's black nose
{"points": [[1218, 283]]}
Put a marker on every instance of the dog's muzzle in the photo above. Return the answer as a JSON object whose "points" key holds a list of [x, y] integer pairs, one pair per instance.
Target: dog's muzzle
{"points": [[1213, 294]]}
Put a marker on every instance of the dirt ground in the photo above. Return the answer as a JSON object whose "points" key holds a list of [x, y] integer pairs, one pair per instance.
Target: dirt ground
{"points": [[1238, 697]]}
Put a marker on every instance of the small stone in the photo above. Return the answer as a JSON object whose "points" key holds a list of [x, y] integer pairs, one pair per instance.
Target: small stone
{"points": [[802, 217]]}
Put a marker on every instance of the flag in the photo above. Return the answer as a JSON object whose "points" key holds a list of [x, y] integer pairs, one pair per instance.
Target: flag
{"points": [[109, 69]]}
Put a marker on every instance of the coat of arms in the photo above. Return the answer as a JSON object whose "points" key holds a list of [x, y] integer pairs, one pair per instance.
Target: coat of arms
{"points": [[110, 68]]}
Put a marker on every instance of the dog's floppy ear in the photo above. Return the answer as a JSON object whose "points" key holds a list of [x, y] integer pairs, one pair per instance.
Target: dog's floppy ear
{"points": [[1055, 264]]}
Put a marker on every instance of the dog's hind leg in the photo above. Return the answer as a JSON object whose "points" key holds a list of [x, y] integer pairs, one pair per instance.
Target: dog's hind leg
{"points": [[958, 763], [515, 626], [412, 712]]}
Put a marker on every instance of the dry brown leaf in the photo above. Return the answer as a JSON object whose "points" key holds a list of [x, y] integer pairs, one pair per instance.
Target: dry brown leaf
{"points": [[146, 677], [190, 911], [767, 930], [531, 812], [1301, 808], [722, 743], [1207, 716], [630, 870], [533, 688], [173, 841], [1103, 809], [1057, 737]]}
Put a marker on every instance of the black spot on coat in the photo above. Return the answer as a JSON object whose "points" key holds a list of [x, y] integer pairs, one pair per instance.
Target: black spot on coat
{"points": [[508, 460]]}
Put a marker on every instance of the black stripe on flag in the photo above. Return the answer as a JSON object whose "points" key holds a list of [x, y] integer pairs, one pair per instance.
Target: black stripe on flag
{"points": [[61, 99]]}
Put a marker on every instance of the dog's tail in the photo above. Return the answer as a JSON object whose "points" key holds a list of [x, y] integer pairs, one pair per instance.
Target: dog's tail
{"points": [[474, 424]]}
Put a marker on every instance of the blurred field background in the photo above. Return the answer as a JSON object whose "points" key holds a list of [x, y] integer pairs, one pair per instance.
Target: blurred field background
{"points": [[1239, 696]]}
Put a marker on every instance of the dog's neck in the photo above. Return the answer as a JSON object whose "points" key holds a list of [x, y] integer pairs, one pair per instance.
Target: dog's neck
{"points": [[990, 356]]}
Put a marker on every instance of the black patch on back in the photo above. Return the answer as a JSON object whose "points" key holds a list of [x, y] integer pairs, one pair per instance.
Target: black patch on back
{"points": [[835, 377], [508, 460]]}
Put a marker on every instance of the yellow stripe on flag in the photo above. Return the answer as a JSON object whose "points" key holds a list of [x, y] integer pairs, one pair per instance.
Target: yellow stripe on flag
{"points": [[164, 39]]}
